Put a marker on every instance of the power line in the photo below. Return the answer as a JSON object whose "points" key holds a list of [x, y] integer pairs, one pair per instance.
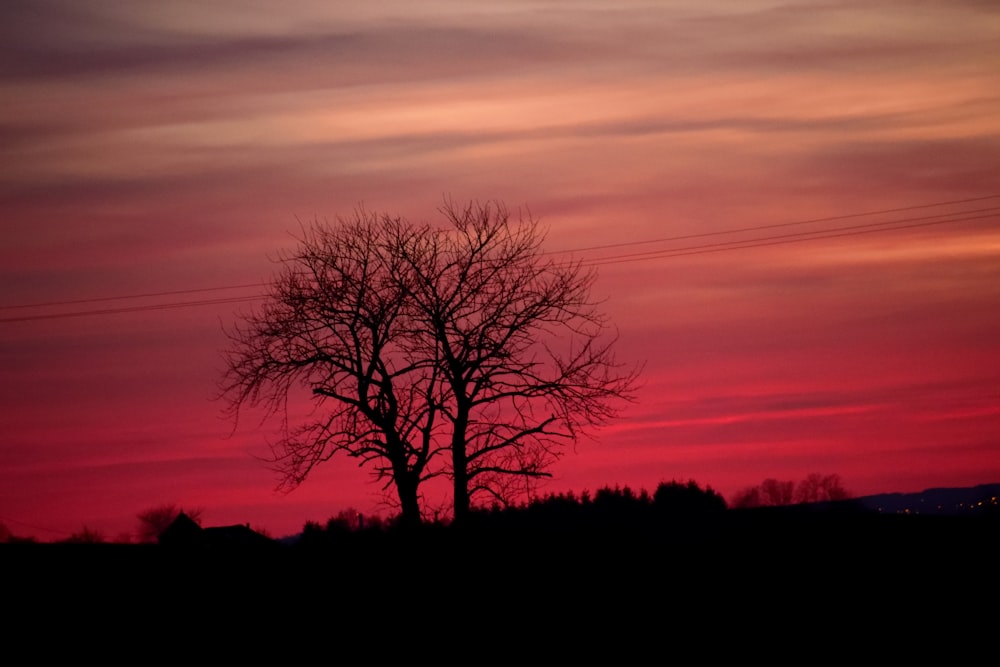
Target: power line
{"points": [[739, 244], [780, 239], [757, 228], [134, 309], [685, 237], [133, 296], [34, 527]]}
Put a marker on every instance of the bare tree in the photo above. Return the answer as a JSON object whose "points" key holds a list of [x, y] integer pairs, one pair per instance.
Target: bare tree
{"points": [[417, 342], [775, 492], [772, 492], [746, 498], [86, 536], [817, 488], [335, 325], [525, 356]]}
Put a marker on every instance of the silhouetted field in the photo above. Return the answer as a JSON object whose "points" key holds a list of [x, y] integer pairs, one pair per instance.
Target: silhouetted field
{"points": [[837, 579], [728, 545], [602, 568]]}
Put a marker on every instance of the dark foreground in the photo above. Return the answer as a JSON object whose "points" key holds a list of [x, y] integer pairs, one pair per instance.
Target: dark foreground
{"points": [[747, 586], [808, 557]]}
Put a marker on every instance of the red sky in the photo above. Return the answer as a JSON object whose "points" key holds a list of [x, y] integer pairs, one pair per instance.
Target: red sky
{"points": [[150, 147]]}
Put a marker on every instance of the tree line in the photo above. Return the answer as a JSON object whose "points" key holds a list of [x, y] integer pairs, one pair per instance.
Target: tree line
{"points": [[619, 505], [815, 488], [672, 505]]}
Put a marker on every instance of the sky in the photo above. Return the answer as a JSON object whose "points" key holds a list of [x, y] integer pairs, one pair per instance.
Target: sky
{"points": [[793, 208]]}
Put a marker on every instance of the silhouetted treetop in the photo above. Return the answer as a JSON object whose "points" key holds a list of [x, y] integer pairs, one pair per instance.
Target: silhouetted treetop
{"points": [[463, 352], [771, 492]]}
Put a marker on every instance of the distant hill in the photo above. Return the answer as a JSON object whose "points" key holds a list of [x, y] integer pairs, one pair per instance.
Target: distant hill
{"points": [[981, 499]]}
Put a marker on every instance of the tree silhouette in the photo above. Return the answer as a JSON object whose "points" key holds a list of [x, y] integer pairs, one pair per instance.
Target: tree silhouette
{"points": [[492, 308], [461, 351], [817, 488], [777, 492], [336, 324], [85, 536], [772, 492], [675, 498]]}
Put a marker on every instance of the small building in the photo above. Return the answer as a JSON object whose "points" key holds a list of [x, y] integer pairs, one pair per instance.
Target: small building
{"points": [[185, 531]]}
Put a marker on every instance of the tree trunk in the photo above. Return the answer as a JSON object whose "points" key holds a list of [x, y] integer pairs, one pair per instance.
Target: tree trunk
{"points": [[409, 505], [407, 481], [460, 465]]}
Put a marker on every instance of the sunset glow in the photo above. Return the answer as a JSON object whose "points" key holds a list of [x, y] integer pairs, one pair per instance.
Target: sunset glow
{"points": [[794, 209]]}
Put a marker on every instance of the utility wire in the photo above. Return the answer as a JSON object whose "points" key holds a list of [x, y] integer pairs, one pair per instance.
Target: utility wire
{"points": [[778, 225], [33, 526], [562, 252], [132, 296], [853, 230], [134, 309], [739, 244]]}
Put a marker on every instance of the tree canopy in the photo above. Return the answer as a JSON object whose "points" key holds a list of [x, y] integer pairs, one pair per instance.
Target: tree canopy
{"points": [[462, 352]]}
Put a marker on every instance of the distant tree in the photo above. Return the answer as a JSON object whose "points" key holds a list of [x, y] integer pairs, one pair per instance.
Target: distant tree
{"points": [[85, 536], [772, 493], [345, 521], [769, 493], [374, 522], [775, 492], [617, 499], [313, 535], [687, 499], [155, 520], [8, 537], [817, 488], [312, 532], [746, 498]]}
